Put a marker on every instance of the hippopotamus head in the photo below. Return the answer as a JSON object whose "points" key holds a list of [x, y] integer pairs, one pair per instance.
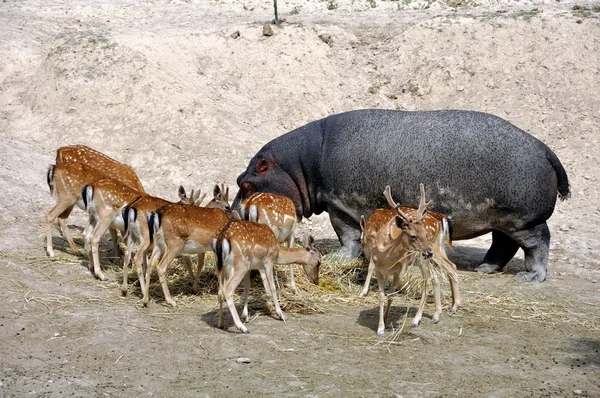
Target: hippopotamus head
{"points": [[267, 174], [288, 166]]}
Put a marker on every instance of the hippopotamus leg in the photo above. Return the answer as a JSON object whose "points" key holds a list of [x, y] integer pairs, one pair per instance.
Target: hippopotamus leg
{"points": [[348, 232], [535, 242], [500, 253]]}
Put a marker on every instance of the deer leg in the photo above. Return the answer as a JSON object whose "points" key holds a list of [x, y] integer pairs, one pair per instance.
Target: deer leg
{"points": [[381, 280], [417, 319], [62, 222], [440, 253], [393, 287], [126, 261], [99, 230], [161, 269], [268, 267], [139, 259], [228, 292], [365, 289], [187, 262], [290, 244], [263, 278], [115, 242], [438, 299], [155, 257], [246, 290], [196, 286], [59, 208]]}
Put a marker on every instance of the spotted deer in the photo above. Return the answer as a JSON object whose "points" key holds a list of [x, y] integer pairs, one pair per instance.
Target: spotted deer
{"points": [[140, 208], [243, 245], [66, 181], [76, 166], [104, 201], [180, 229], [278, 213], [399, 242], [438, 229], [99, 161]]}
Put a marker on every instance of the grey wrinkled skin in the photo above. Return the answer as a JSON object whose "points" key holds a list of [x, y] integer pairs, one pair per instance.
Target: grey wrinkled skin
{"points": [[478, 168]]}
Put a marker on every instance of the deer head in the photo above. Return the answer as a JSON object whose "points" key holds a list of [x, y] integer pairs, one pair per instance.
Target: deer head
{"points": [[413, 236]]}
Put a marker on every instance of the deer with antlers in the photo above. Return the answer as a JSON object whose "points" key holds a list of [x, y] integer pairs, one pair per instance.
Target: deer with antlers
{"points": [[139, 232], [180, 229], [278, 213], [399, 242], [244, 245], [77, 166], [438, 229]]}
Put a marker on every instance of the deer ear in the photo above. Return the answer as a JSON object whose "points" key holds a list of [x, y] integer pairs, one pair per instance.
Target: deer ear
{"points": [[262, 166], [181, 192], [217, 191], [400, 223]]}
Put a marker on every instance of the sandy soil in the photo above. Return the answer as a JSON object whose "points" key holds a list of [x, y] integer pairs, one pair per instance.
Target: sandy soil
{"points": [[165, 87]]}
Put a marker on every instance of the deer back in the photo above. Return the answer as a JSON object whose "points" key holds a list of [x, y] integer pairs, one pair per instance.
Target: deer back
{"points": [[245, 240], [432, 222], [276, 211], [139, 209], [187, 222], [102, 163], [67, 180], [107, 195]]}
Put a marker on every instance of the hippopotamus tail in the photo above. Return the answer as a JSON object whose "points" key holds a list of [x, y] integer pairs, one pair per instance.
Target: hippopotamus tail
{"points": [[564, 190]]}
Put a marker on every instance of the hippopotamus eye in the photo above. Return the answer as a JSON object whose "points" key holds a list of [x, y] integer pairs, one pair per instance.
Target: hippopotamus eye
{"points": [[262, 166]]}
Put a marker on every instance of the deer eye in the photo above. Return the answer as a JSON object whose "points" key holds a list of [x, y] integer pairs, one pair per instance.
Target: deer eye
{"points": [[413, 237]]}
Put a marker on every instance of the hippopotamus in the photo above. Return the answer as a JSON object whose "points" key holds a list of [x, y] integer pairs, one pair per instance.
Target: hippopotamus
{"points": [[484, 172]]}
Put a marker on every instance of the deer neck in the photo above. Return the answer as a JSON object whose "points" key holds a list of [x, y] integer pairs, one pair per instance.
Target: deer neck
{"points": [[291, 255]]}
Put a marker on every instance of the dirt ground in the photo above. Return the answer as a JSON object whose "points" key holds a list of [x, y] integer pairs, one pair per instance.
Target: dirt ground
{"points": [[167, 87]]}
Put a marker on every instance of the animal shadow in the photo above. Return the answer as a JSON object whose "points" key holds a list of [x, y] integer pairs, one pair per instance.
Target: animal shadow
{"points": [[370, 317], [588, 352], [468, 258]]}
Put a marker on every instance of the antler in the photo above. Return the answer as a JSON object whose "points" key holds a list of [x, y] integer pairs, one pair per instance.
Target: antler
{"points": [[196, 198], [225, 192], [388, 195], [422, 204]]}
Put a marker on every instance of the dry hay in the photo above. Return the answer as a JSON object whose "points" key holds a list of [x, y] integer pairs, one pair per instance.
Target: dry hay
{"points": [[340, 282]]}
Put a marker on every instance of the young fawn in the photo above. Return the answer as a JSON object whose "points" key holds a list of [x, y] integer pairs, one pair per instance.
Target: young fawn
{"points": [[243, 245], [135, 216], [180, 229], [77, 166], [278, 213]]}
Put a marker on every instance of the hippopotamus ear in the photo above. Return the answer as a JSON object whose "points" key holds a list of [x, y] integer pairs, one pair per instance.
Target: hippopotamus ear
{"points": [[262, 166]]}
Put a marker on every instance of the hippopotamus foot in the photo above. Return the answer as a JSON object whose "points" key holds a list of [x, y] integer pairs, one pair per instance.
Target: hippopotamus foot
{"points": [[502, 250], [536, 245], [485, 268], [348, 232]]}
